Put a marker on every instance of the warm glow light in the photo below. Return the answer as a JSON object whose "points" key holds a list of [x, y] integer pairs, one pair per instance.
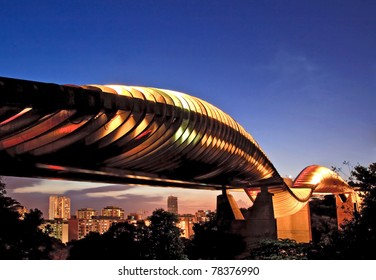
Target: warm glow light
{"points": [[15, 116], [156, 135], [316, 179]]}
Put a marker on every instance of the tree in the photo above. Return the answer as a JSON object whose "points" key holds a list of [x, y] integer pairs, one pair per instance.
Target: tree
{"points": [[281, 249], [162, 239], [22, 238], [120, 242], [159, 241], [357, 238], [323, 218], [214, 241]]}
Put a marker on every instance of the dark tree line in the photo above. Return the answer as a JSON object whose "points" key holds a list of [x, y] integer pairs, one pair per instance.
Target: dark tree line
{"points": [[160, 240], [21, 238], [213, 240]]}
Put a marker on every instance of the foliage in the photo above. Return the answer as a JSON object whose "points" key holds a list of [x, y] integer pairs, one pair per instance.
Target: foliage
{"points": [[323, 218], [282, 249], [109, 246], [21, 238], [357, 238], [212, 241], [161, 240], [120, 242]]}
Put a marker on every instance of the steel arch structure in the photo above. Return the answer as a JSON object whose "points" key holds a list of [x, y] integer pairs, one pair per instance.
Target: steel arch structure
{"points": [[140, 135], [124, 132], [313, 180]]}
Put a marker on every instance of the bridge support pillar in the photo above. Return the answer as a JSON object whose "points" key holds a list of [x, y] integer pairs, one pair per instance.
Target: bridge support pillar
{"points": [[227, 209], [258, 223], [296, 226]]}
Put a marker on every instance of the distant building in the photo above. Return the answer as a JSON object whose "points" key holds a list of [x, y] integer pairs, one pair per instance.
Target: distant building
{"points": [[73, 233], [86, 213], [134, 217], [103, 223], [186, 222], [203, 216], [59, 207], [87, 220], [57, 228], [79, 228], [172, 204], [113, 211]]}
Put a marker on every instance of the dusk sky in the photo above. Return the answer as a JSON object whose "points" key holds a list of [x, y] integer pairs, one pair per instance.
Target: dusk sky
{"points": [[299, 76]]}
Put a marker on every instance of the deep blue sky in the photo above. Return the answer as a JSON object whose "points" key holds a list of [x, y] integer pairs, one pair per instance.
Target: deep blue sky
{"points": [[300, 76]]}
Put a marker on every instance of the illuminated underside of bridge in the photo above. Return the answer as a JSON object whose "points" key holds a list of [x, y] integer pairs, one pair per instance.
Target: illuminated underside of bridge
{"points": [[142, 136]]}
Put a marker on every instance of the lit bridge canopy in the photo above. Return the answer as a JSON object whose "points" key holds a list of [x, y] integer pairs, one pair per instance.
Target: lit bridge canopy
{"points": [[142, 136], [125, 134]]}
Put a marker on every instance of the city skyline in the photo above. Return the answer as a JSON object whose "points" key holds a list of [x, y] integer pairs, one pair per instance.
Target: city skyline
{"points": [[94, 200], [67, 226], [300, 77]]}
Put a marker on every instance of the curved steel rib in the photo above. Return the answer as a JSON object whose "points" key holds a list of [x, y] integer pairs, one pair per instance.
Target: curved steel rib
{"points": [[140, 135]]}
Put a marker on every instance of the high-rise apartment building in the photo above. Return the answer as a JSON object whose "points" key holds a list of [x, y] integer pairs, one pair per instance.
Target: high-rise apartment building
{"points": [[186, 222], [113, 211], [172, 204], [59, 207], [79, 228], [203, 216], [86, 213], [57, 228], [73, 228], [87, 220]]}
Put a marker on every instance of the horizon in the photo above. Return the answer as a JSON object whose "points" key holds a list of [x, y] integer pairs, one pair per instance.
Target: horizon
{"points": [[186, 206]]}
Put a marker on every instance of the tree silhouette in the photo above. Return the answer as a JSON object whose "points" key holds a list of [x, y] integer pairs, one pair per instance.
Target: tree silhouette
{"points": [[118, 243], [162, 240], [159, 241], [214, 241], [282, 249], [22, 238], [357, 239], [323, 218]]}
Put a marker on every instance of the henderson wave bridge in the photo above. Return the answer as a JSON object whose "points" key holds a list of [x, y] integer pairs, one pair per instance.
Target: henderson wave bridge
{"points": [[148, 136]]}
